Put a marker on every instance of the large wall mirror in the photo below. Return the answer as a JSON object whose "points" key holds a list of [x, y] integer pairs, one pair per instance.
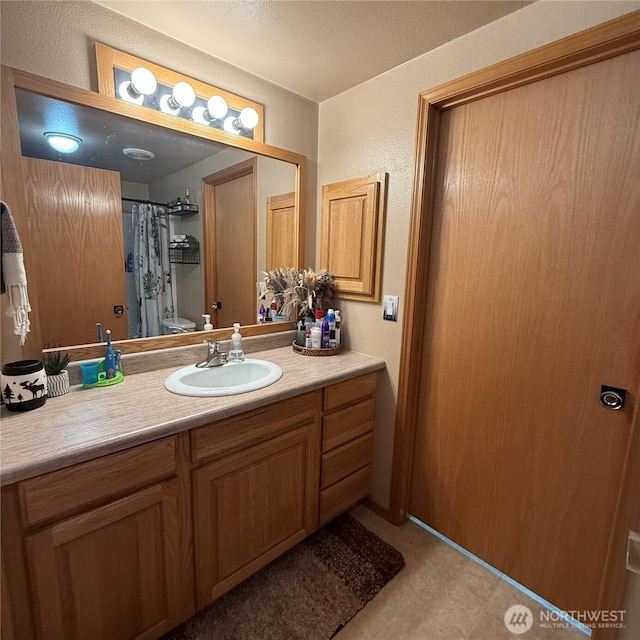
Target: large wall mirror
{"points": [[78, 215]]}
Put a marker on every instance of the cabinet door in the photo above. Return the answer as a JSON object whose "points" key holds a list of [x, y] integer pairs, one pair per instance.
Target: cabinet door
{"points": [[112, 573], [251, 507]]}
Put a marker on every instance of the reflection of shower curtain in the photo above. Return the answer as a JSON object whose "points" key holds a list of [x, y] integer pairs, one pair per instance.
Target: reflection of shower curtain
{"points": [[152, 270]]}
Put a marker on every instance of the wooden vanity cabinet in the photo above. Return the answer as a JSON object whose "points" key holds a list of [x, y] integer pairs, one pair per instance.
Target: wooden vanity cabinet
{"points": [[129, 545], [107, 550], [347, 444], [252, 505]]}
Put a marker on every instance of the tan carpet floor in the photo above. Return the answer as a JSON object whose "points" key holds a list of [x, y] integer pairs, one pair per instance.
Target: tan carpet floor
{"points": [[440, 595]]}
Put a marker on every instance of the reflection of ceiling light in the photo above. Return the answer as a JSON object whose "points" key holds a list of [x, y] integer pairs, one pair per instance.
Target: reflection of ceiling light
{"points": [[142, 83], [182, 95], [229, 125], [138, 154], [63, 142]]}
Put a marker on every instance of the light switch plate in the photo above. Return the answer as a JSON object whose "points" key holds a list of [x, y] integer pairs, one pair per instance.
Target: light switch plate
{"points": [[390, 308]]}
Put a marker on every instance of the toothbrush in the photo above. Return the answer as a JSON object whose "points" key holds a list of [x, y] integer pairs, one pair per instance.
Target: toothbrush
{"points": [[109, 359], [99, 327]]}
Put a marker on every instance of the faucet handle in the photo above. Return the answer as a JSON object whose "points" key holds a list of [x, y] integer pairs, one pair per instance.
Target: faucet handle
{"points": [[214, 347]]}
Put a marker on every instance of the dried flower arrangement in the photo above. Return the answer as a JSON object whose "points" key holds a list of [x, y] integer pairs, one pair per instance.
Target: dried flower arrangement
{"points": [[304, 289]]}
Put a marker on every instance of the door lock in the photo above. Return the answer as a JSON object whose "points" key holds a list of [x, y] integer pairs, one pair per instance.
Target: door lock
{"points": [[612, 397]]}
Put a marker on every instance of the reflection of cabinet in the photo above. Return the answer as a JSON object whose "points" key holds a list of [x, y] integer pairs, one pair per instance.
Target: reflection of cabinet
{"points": [[130, 544]]}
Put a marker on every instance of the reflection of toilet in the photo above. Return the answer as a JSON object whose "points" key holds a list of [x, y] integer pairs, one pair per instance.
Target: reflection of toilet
{"points": [[177, 325]]}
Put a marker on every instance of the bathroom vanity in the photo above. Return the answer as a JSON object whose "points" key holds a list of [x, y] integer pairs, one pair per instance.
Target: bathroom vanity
{"points": [[113, 531]]}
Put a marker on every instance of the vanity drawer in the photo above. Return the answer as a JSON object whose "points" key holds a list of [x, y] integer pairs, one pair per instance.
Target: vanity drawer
{"points": [[342, 462], [345, 425], [345, 494], [252, 426], [349, 391], [67, 490]]}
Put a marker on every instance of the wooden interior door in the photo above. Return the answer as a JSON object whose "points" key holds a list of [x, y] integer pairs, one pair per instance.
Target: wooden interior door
{"points": [[281, 228], [533, 304], [230, 244], [75, 225]]}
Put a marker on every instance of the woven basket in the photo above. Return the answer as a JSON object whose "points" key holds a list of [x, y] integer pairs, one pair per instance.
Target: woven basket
{"points": [[303, 351]]}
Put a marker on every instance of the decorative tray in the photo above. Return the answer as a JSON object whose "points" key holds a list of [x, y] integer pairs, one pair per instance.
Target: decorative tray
{"points": [[303, 351]]}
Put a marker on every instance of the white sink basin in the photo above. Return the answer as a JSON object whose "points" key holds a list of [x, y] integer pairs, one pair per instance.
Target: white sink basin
{"points": [[226, 380]]}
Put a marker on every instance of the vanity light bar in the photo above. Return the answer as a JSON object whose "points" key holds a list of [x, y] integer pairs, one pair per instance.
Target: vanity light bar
{"points": [[140, 87]]}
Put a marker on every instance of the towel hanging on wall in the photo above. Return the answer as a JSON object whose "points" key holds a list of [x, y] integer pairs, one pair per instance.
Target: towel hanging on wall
{"points": [[13, 276]]}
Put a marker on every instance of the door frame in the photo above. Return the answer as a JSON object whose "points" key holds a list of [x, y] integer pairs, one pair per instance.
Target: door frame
{"points": [[618, 36], [209, 183]]}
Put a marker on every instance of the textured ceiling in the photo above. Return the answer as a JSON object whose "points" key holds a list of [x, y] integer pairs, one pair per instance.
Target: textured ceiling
{"points": [[315, 48]]}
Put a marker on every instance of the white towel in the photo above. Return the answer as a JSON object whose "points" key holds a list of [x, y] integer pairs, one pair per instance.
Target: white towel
{"points": [[13, 275]]}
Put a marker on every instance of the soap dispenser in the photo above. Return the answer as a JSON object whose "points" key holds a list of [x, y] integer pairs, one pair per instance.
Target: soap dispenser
{"points": [[207, 322], [236, 354]]}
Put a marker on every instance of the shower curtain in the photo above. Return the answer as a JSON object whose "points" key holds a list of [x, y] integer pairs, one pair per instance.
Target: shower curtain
{"points": [[152, 269]]}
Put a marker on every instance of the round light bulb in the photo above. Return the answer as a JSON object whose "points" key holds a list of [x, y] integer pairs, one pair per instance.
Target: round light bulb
{"points": [[183, 94], [143, 81], [63, 142], [217, 107], [229, 125], [198, 115], [248, 118], [126, 92], [167, 105]]}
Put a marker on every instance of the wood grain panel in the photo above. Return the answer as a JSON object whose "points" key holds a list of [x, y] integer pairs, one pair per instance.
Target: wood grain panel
{"points": [[344, 494], [111, 573], [349, 211], [349, 391], [345, 425], [230, 229], [281, 244], [533, 305], [61, 492], [341, 462], [252, 426], [75, 220], [250, 505]]}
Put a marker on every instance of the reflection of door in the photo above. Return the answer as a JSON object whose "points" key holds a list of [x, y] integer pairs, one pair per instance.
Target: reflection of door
{"points": [[230, 244], [533, 305], [75, 222], [281, 228]]}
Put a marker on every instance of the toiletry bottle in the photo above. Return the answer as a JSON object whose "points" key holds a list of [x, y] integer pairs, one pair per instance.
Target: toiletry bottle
{"points": [[261, 314], [319, 315], [236, 354], [207, 322], [186, 197], [300, 337], [324, 341], [109, 359], [331, 317], [274, 309], [308, 323], [315, 337], [338, 327]]}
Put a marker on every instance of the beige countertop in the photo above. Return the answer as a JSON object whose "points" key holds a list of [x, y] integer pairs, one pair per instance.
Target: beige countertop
{"points": [[87, 423]]}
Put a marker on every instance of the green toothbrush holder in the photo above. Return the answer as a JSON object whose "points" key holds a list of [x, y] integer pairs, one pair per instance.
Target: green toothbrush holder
{"points": [[94, 375]]}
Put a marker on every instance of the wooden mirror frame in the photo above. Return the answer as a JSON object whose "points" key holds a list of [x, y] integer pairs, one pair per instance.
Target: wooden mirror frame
{"points": [[13, 192]]}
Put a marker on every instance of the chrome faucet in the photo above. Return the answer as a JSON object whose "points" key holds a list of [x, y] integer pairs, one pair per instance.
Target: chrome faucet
{"points": [[215, 357]]}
